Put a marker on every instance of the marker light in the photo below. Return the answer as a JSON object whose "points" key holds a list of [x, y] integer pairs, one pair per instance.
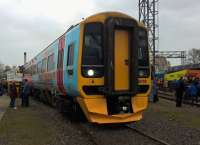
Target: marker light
{"points": [[141, 73], [90, 72]]}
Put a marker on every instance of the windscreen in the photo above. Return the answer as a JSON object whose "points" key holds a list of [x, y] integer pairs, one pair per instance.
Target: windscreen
{"points": [[143, 56], [92, 58], [93, 51]]}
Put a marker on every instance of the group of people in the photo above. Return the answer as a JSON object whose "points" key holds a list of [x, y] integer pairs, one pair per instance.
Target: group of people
{"points": [[24, 94], [187, 88]]}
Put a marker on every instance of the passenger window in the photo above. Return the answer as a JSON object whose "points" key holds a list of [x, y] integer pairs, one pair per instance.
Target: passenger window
{"points": [[34, 69], [39, 67], [50, 63], [44, 65], [70, 55], [60, 58]]}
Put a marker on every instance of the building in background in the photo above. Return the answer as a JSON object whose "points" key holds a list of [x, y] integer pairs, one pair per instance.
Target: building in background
{"points": [[14, 75]]}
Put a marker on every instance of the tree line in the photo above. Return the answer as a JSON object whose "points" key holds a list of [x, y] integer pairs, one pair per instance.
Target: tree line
{"points": [[193, 56]]}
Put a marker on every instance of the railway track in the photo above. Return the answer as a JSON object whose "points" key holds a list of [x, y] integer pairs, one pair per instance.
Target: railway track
{"points": [[91, 138], [171, 97], [162, 142], [150, 137], [147, 136]]}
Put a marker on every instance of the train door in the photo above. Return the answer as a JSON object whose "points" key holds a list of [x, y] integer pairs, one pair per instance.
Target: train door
{"points": [[120, 77], [61, 46], [121, 69]]}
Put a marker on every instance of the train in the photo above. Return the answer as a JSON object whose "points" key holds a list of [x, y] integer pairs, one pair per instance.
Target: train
{"points": [[100, 65]]}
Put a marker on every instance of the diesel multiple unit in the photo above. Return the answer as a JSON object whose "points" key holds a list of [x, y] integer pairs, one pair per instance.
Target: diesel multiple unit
{"points": [[100, 65]]}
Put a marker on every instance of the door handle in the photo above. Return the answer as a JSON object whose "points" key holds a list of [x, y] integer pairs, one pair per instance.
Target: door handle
{"points": [[126, 62]]}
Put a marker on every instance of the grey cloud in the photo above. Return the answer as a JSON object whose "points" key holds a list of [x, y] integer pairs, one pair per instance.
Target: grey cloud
{"points": [[179, 5], [179, 22], [179, 27], [126, 6], [30, 35]]}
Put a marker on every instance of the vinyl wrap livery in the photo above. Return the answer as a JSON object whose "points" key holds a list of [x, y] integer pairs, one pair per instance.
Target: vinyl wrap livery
{"points": [[118, 94]]}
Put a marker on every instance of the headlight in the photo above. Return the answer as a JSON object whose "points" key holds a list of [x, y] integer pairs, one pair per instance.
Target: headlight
{"points": [[143, 73], [90, 72]]}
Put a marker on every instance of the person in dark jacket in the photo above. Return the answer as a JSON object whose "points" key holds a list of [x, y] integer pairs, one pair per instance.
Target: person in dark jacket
{"points": [[193, 92], [13, 95], [179, 91], [25, 93], [198, 91], [1, 89]]}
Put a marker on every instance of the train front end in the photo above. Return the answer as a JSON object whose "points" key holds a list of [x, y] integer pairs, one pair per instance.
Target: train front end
{"points": [[114, 72]]}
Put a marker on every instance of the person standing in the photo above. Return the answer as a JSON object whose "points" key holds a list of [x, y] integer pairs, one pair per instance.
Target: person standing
{"points": [[1, 89], [155, 92], [198, 91], [193, 92], [179, 91], [25, 93], [13, 95]]}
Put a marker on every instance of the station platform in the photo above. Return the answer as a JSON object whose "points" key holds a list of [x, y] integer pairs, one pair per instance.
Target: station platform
{"points": [[4, 103]]}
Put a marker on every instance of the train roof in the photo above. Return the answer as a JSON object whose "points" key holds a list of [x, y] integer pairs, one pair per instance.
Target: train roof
{"points": [[104, 15]]}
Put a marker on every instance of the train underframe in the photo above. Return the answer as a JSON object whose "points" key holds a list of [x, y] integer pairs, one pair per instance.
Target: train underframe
{"points": [[96, 110]]}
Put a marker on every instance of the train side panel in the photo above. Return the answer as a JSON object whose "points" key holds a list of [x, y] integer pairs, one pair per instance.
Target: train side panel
{"points": [[71, 61], [46, 79]]}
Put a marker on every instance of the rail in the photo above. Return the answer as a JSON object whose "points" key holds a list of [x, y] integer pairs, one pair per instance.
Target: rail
{"points": [[147, 135]]}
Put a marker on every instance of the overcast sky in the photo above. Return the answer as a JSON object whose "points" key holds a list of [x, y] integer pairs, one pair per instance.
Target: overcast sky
{"points": [[30, 25]]}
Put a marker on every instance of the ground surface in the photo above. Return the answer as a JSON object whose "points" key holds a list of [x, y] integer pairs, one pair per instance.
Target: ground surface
{"points": [[38, 125], [4, 100], [42, 125], [177, 126]]}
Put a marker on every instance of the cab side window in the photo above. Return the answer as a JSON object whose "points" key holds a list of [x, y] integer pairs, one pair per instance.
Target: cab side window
{"points": [[70, 55], [60, 58]]}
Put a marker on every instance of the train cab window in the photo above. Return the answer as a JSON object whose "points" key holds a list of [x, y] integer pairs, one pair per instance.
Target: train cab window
{"points": [[143, 58], [50, 62], [93, 49], [92, 56], [44, 65], [70, 55], [143, 55]]}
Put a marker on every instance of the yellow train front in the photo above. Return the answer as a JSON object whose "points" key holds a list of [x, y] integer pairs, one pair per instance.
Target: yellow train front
{"points": [[113, 68]]}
